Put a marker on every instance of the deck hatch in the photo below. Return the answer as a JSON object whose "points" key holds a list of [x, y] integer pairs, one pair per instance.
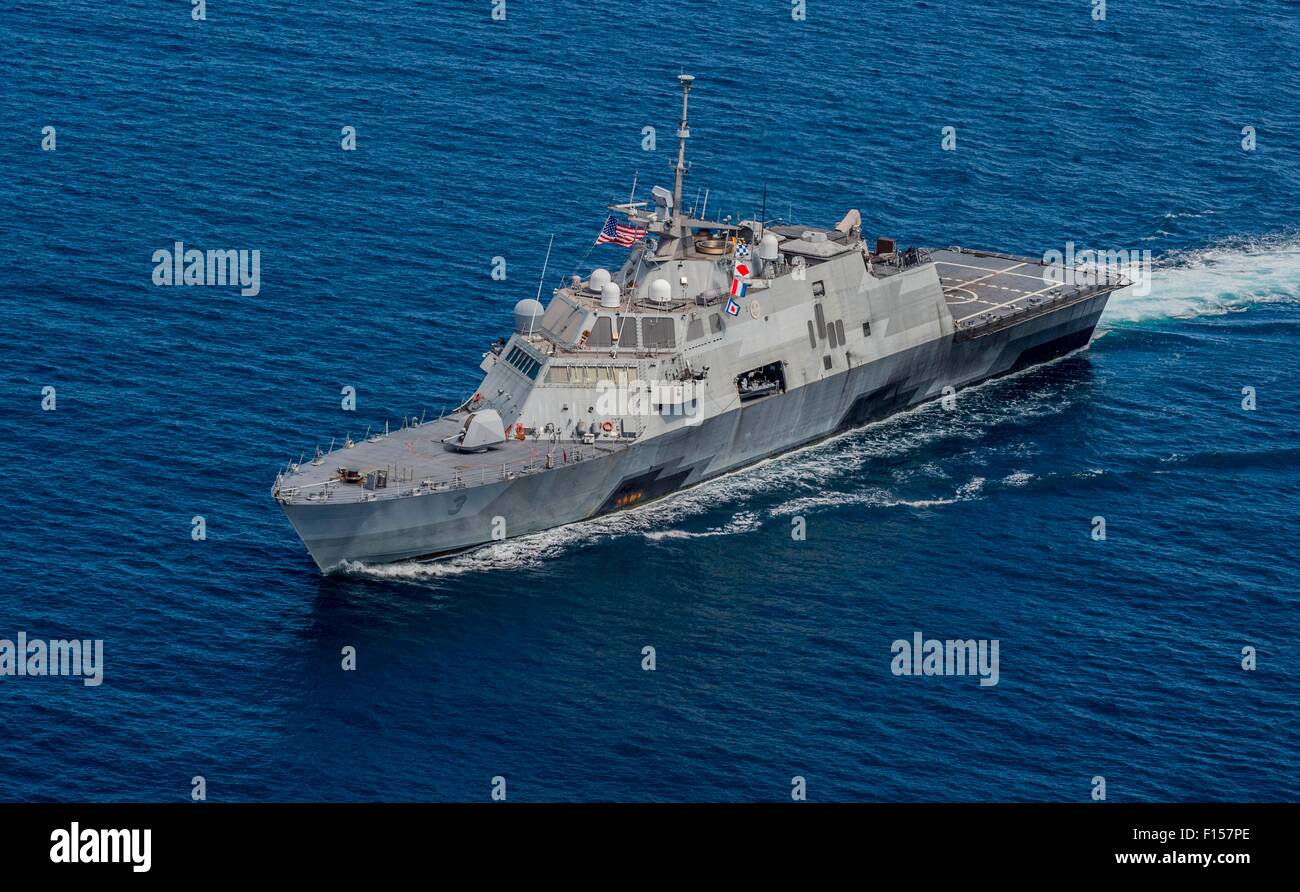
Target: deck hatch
{"points": [[602, 332], [626, 331], [658, 332]]}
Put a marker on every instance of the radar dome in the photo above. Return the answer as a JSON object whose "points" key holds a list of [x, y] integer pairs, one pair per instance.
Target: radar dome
{"points": [[599, 279], [660, 291], [767, 247], [528, 313], [610, 296]]}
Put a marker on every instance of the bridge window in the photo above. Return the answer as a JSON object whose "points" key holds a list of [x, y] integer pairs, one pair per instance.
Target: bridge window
{"points": [[522, 362]]}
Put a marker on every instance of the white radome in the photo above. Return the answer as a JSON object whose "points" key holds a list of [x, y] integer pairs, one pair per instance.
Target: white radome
{"points": [[527, 312]]}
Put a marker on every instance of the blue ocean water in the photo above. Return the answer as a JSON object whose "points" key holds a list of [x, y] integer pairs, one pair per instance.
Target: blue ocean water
{"points": [[478, 138]]}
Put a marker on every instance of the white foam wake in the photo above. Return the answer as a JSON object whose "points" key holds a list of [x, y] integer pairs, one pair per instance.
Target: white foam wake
{"points": [[1226, 278], [742, 522], [874, 498]]}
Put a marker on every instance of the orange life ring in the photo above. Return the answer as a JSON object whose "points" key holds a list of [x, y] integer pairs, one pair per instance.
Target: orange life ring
{"points": [[607, 426]]}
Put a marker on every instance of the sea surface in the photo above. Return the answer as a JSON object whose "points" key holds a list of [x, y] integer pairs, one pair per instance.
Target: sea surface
{"points": [[478, 139]]}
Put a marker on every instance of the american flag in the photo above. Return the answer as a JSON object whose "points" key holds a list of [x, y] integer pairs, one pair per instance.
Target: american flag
{"points": [[618, 233]]}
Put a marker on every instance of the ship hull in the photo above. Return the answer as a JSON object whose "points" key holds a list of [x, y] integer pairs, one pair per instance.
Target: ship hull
{"points": [[439, 523]]}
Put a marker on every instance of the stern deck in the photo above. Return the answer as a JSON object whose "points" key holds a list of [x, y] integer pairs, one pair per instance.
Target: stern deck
{"points": [[986, 292]]}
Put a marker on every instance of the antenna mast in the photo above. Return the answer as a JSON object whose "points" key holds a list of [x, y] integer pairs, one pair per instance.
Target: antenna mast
{"points": [[540, 280], [683, 134]]}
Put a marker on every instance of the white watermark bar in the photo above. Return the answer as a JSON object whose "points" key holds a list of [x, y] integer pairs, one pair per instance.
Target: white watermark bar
{"points": [[190, 266], [25, 657], [931, 656], [644, 398], [1089, 267]]}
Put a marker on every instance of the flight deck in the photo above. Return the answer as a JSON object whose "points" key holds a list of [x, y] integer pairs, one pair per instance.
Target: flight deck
{"points": [[986, 291]]}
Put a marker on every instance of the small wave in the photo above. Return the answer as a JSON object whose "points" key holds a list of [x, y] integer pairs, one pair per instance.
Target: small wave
{"points": [[1188, 215], [928, 469], [743, 522], [1019, 478], [871, 499], [874, 498]]}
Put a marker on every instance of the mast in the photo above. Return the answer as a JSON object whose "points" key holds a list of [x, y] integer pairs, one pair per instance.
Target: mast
{"points": [[683, 134], [542, 279]]}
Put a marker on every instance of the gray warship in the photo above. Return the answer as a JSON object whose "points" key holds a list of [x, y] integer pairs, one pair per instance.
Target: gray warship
{"points": [[717, 344]]}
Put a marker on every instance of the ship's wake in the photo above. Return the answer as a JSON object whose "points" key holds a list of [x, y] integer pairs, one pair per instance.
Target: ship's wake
{"points": [[1227, 278]]}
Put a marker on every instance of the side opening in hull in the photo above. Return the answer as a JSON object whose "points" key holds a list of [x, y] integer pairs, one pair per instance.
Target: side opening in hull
{"points": [[767, 380]]}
